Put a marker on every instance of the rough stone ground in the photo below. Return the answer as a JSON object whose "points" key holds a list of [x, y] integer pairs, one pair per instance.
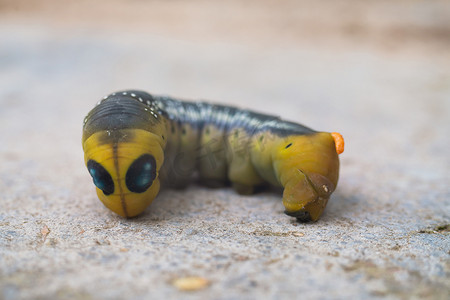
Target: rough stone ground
{"points": [[378, 72]]}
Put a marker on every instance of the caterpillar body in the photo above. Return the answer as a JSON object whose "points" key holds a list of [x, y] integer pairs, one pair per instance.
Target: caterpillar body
{"points": [[134, 142]]}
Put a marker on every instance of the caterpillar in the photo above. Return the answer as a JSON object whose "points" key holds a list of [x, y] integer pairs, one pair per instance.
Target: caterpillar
{"points": [[135, 142]]}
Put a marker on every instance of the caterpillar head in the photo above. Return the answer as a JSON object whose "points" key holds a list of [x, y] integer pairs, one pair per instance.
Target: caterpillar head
{"points": [[124, 165]]}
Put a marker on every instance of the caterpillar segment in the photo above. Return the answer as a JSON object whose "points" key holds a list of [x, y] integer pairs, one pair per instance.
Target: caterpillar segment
{"points": [[135, 142]]}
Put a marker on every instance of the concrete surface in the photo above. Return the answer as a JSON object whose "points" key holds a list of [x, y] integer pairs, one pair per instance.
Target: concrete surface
{"points": [[385, 232]]}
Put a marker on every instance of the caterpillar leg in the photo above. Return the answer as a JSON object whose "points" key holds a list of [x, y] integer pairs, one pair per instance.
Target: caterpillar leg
{"points": [[241, 172], [212, 164], [180, 156], [305, 197], [243, 189]]}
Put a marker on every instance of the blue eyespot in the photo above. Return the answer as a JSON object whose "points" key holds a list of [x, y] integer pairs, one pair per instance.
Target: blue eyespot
{"points": [[101, 177], [141, 173]]}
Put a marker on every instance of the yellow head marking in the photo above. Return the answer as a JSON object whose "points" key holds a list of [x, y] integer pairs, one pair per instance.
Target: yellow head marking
{"points": [[124, 166]]}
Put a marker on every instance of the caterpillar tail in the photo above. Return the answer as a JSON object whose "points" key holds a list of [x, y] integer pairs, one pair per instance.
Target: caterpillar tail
{"points": [[307, 166]]}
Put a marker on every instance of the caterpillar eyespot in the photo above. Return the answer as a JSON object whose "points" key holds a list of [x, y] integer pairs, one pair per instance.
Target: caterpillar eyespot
{"points": [[134, 141], [102, 179], [141, 173]]}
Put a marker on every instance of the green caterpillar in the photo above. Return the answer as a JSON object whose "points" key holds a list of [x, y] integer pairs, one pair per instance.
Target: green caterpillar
{"points": [[134, 141]]}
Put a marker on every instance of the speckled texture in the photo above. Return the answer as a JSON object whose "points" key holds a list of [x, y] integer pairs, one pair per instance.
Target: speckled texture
{"points": [[384, 233]]}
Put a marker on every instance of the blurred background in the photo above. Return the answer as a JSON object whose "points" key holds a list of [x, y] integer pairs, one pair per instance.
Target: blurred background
{"points": [[376, 71], [320, 55], [383, 65], [111, 38], [386, 25]]}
